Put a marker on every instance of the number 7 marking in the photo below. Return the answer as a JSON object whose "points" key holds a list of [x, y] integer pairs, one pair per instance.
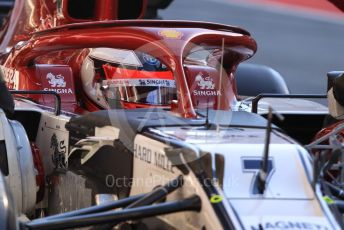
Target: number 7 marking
{"points": [[253, 165]]}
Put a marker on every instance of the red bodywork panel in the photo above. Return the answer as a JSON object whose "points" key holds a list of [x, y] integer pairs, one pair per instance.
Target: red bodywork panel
{"points": [[329, 129], [116, 73], [207, 88]]}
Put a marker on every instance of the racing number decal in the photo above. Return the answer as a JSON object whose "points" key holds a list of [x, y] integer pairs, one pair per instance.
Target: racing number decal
{"points": [[253, 165]]}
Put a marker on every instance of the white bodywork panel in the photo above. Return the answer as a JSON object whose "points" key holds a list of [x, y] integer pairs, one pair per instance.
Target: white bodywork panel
{"points": [[291, 106], [51, 125], [288, 192], [22, 174], [288, 179]]}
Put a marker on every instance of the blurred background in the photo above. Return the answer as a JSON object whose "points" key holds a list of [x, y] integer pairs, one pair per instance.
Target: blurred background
{"points": [[301, 39]]}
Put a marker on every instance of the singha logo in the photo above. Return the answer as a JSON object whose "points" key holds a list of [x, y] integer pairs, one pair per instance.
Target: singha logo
{"points": [[58, 156], [204, 82], [56, 81]]}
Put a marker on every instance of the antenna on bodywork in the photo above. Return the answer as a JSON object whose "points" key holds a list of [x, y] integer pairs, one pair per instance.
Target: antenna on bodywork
{"points": [[221, 71], [263, 172], [220, 81], [207, 123]]}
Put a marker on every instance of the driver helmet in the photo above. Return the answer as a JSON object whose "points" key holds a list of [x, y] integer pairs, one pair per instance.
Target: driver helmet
{"points": [[116, 78]]}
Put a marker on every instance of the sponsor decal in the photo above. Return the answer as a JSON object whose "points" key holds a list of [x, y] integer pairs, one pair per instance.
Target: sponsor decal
{"points": [[140, 82], [158, 83], [60, 91], [56, 80], [204, 82], [206, 93], [143, 153], [152, 157], [253, 165], [59, 149], [171, 34], [287, 222], [206, 86], [11, 76], [57, 84], [275, 225]]}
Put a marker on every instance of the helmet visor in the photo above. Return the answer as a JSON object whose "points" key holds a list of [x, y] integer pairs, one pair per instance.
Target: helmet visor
{"points": [[156, 88]]}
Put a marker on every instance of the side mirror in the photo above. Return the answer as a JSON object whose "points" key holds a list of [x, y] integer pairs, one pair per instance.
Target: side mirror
{"points": [[5, 7], [6, 99], [335, 94]]}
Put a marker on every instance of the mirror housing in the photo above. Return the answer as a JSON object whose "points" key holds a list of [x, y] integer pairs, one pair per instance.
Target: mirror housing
{"points": [[6, 99], [335, 94]]}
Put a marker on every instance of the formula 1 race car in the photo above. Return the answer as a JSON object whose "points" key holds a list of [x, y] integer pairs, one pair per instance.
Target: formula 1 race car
{"points": [[141, 124], [327, 145]]}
